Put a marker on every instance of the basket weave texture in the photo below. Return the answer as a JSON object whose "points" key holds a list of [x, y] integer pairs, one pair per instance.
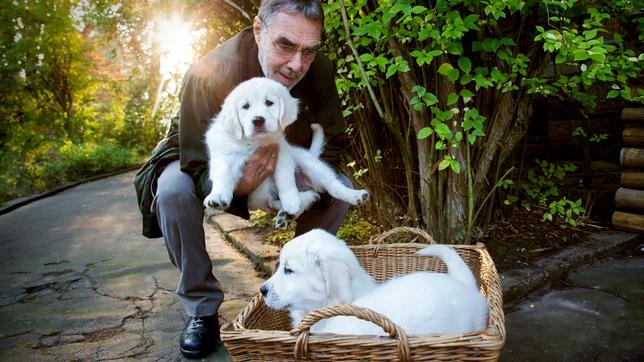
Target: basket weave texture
{"points": [[263, 334]]}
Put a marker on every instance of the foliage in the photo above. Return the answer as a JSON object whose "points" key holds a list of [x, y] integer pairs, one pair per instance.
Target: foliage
{"points": [[445, 89], [355, 229], [60, 164], [541, 190]]}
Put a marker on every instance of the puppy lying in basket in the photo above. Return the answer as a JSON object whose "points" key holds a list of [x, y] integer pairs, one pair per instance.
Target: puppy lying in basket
{"points": [[255, 114], [317, 269]]}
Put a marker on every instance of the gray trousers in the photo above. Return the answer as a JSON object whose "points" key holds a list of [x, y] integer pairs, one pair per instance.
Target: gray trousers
{"points": [[180, 214]]}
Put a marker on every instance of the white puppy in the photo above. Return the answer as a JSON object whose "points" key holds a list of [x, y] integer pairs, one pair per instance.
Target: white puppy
{"points": [[255, 114], [317, 269]]}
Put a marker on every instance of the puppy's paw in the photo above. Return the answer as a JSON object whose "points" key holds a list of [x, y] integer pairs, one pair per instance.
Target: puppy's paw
{"points": [[217, 201], [291, 204], [358, 197], [282, 219]]}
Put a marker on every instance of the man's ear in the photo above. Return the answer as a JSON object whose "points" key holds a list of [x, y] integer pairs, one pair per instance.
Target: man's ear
{"points": [[257, 28], [229, 118], [288, 109], [338, 275]]}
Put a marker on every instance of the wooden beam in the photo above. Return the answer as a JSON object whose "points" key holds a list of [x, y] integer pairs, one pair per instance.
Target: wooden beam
{"points": [[632, 158], [633, 115], [628, 222], [633, 136], [629, 199], [632, 180]]}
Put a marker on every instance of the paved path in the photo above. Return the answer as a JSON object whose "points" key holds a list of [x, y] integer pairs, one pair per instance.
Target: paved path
{"points": [[594, 313], [78, 282]]}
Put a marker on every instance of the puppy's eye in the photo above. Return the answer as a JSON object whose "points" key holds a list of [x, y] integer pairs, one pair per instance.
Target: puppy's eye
{"points": [[288, 270], [269, 103], [246, 106]]}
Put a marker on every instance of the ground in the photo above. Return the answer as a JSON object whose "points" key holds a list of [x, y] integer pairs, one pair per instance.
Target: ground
{"points": [[526, 237]]}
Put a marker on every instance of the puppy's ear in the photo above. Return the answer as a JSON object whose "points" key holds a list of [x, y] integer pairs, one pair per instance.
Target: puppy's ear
{"points": [[288, 108], [338, 274], [229, 117]]}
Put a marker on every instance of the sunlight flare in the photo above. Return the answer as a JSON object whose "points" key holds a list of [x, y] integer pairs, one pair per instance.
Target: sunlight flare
{"points": [[177, 41]]}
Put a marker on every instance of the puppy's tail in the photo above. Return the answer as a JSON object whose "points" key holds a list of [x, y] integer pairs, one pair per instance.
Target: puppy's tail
{"points": [[317, 140], [456, 267]]}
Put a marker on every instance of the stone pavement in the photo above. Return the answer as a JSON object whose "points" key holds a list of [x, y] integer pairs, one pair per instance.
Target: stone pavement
{"points": [[78, 282]]}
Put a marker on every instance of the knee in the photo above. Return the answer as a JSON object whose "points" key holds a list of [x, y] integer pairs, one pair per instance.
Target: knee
{"points": [[178, 198]]}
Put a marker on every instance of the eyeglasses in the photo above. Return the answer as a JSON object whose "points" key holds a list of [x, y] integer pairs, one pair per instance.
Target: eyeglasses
{"points": [[286, 49]]}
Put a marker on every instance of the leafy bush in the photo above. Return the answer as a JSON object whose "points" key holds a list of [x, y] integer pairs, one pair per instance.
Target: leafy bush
{"points": [[541, 190], [53, 166]]}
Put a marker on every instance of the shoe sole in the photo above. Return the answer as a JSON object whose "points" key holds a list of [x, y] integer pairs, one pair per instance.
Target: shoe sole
{"points": [[195, 354]]}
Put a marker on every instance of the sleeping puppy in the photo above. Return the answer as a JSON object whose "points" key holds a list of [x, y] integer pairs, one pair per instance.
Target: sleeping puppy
{"points": [[317, 269], [255, 114]]}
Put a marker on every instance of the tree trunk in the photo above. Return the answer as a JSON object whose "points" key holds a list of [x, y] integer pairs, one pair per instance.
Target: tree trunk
{"points": [[501, 120], [418, 122]]}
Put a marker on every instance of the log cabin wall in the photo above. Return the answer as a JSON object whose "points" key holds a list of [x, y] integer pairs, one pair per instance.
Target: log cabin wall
{"points": [[629, 198]]}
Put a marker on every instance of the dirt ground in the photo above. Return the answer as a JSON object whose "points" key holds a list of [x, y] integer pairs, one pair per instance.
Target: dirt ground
{"points": [[526, 237]]}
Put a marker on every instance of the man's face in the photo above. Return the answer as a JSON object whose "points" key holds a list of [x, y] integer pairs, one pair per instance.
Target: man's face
{"points": [[287, 47]]}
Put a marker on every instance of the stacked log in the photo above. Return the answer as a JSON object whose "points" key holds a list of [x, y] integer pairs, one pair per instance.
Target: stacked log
{"points": [[629, 198]]}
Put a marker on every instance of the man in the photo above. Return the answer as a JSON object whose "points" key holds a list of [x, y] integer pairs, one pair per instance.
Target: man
{"points": [[282, 45]]}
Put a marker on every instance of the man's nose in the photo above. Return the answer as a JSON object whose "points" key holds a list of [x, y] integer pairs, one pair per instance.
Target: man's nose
{"points": [[263, 289], [258, 121], [296, 63]]}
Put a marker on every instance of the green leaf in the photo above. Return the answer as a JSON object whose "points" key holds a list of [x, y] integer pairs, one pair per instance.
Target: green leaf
{"points": [[445, 163], [561, 58], [465, 93], [425, 132], [465, 64], [418, 9], [496, 74], [393, 68], [452, 98], [612, 94], [445, 68], [430, 99], [453, 74], [443, 131], [455, 165]]}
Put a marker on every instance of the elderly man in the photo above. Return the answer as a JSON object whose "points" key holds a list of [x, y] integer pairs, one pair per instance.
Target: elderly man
{"points": [[282, 45]]}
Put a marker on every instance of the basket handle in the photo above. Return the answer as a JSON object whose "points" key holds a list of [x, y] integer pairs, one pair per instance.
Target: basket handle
{"points": [[303, 329], [403, 229]]}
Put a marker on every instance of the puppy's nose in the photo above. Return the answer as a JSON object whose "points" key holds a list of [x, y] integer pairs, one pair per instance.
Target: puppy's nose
{"points": [[258, 121], [263, 289]]}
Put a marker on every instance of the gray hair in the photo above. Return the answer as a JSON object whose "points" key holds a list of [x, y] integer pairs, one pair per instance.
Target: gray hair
{"points": [[311, 9]]}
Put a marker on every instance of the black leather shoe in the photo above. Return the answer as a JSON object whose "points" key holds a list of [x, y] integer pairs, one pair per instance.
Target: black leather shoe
{"points": [[200, 337]]}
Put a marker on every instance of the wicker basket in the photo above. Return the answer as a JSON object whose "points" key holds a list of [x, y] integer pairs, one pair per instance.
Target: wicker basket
{"points": [[263, 334]]}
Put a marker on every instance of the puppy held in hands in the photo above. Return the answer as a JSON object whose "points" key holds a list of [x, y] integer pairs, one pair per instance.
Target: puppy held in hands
{"points": [[317, 269], [255, 114]]}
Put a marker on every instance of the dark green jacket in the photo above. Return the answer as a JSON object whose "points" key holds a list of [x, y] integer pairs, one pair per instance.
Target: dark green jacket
{"points": [[203, 90]]}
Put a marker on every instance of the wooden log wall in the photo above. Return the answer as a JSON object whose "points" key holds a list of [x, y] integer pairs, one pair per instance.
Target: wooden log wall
{"points": [[629, 198]]}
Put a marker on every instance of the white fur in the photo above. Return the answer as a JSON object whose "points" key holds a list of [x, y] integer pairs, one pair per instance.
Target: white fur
{"points": [[234, 136], [317, 269]]}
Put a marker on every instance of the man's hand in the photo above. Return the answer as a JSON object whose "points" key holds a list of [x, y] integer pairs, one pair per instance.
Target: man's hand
{"points": [[260, 166]]}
